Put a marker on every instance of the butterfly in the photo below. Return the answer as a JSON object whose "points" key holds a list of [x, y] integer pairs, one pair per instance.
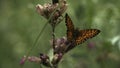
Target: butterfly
{"points": [[78, 36]]}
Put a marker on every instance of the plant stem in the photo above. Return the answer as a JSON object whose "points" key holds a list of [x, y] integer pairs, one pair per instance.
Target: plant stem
{"points": [[53, 35], [36, 40]]}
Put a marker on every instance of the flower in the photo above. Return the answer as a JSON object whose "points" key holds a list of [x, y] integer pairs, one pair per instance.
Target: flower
{"points": [[45, 60], [34, 59], [60, 45], [22, 61], [56, 59], [48, 9]]}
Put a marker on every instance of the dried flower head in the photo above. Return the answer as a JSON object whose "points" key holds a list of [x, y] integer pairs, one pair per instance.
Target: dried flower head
{"points": [[60, 45], [45, 60], [57, 58], [47, 9], [31, 59], [34, 59], [22, 61]]}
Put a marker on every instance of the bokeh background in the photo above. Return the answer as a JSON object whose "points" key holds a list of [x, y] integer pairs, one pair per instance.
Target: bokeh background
{"points": [[20, 25]]}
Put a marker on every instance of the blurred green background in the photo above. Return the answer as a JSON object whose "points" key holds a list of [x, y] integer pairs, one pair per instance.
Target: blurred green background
{"points": [[20, 25]]}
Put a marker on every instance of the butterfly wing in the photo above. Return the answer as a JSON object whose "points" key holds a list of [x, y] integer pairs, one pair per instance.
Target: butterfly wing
{"points": [[70, 27], [86, 34]]}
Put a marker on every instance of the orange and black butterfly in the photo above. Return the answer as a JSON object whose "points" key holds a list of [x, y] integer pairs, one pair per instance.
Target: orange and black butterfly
{"points": [[78, 36]]}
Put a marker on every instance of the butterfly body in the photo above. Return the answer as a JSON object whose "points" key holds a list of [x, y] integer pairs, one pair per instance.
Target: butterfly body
{"points": [[77, 36], [75, 33]]}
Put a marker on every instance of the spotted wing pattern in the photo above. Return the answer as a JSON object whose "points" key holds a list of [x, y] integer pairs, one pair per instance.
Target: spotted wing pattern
{"points": [[70, 27], [78, 36], [86, 34]]}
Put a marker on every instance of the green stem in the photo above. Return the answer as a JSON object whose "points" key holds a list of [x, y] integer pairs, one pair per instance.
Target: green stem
{"points": [[53, 36], [36, 40]]}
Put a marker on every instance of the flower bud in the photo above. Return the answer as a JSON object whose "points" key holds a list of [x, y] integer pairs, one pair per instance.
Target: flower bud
{"points": [[57, 58], [34, 59], [22, 61], [45, 60], [56, 10]]}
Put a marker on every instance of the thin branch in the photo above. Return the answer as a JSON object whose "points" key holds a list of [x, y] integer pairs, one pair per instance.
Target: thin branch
{"points": [[53, 35], [36, 40]]}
